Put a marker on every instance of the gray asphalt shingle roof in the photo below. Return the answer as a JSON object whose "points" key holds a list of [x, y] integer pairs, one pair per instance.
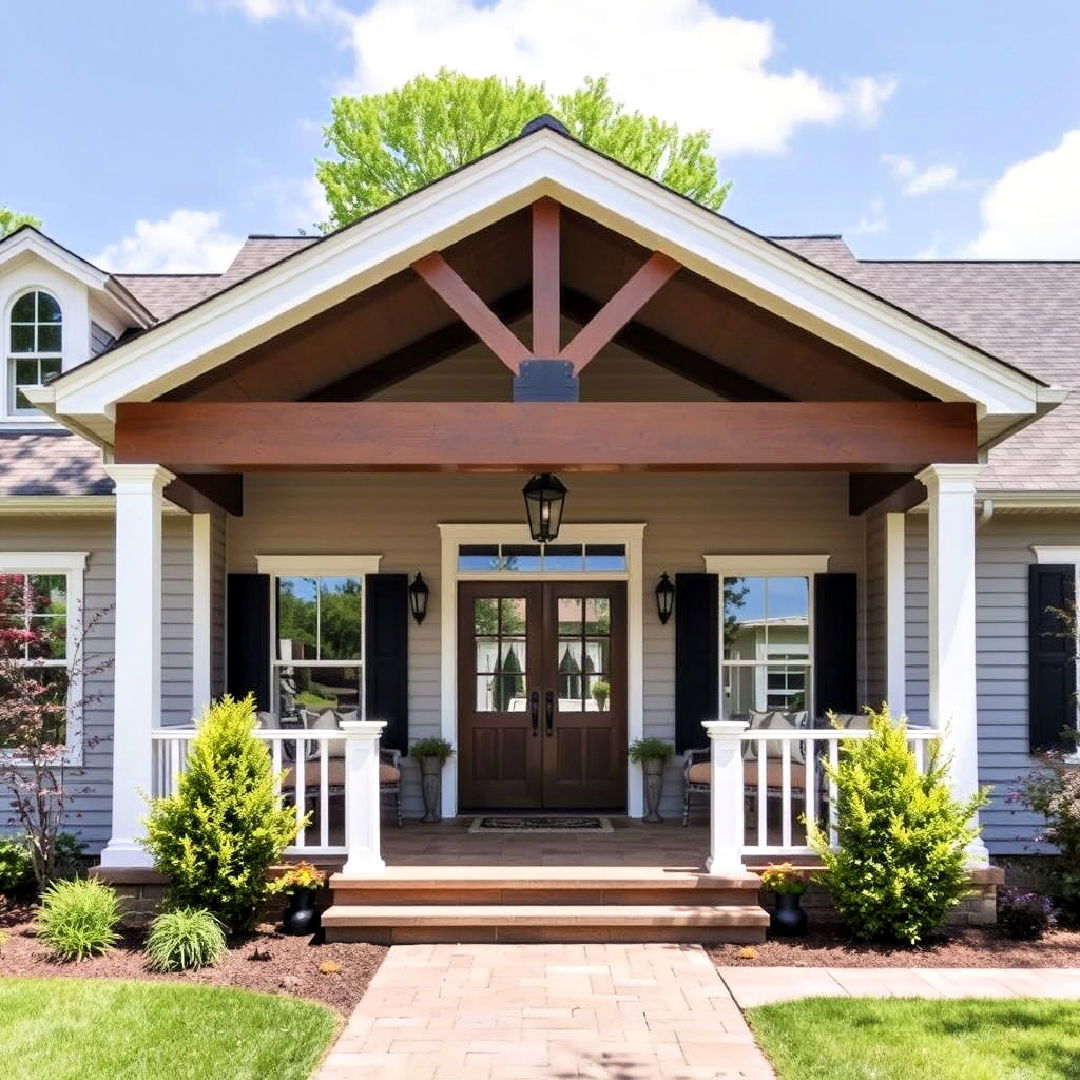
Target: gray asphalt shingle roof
{"points": [[1025, 313]]}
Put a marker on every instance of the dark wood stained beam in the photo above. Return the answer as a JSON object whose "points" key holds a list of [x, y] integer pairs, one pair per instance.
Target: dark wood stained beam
{"points": [[884, 493], [471, 309], [204, 493], [546, 279], [418, 355], [691, 365], [643, 285], [859, 436]]}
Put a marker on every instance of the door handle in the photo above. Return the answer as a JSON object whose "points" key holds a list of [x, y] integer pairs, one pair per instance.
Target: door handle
{"points": [[534, 708], [549, 712]]}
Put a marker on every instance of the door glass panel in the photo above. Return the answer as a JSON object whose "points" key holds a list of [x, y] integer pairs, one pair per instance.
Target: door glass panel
{"points": [[570, 608], [584, 652], [598, 616], [499, 652]]}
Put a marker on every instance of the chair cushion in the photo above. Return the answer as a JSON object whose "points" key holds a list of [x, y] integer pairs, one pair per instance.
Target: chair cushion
{"points": [[388, 774], [774, 774], [774, 748], [335, 775], [701, 773], [326, 720]]}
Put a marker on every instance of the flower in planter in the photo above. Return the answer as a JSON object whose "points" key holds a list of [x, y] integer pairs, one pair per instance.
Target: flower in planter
{"points": [[784, 878], [439, 749], [650, 750], [301, 875]]}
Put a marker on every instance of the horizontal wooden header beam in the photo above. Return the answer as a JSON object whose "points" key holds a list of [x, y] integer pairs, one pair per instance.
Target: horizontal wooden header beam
{"points": [[493, 436]]}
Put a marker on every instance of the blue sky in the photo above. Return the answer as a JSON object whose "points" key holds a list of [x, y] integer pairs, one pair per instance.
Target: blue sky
{"points": [[940, 129]]}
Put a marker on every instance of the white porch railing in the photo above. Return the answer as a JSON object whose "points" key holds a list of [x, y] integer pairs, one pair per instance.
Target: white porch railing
{"points": [[784, 779], [319, 772]]}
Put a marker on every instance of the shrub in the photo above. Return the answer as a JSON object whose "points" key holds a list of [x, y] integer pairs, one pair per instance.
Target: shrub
{"points": [[184, 939], [218, 835], [650, 750], [1053, 790], [900, 864], [432, 748], [1024, 916], [16, 868], [79, 918]]}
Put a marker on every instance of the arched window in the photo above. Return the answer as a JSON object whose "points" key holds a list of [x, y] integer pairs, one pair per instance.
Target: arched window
{"points": [[34, 344]]}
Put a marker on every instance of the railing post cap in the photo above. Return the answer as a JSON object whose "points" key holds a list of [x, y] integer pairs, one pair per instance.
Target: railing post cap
{"points": [[718, 728], [363, 729]]}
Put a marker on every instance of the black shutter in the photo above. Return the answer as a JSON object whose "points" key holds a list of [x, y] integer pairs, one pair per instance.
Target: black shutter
{"points": [[1051, 656], [248, 637], [386, 655], [697, 657], [836, 666]]}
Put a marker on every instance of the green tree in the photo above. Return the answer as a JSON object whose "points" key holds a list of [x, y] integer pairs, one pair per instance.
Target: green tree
{"points": [[10, 220], [391, 144]]}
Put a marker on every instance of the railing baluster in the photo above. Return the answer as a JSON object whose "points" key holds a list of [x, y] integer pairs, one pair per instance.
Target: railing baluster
{"points": [[275, 764], [810, 758], [762, 796], [785, 798], [324, 792], [834, 759], [300, 774]]}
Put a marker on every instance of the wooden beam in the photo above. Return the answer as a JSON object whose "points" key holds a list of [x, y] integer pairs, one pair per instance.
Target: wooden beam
{"points": [[884, 493], [205, 493], [493, 436], [471, 309], [643, 285], [417, 356], [691, 365], [546, 279]]}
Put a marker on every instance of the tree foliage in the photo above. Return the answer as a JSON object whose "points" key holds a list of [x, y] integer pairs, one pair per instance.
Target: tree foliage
{"points": [[10, 220], [388, 145], [901, 864]]}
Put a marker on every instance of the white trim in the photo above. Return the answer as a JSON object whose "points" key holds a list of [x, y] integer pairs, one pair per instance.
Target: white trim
{"points": [[317, 565], [72, 564], [201, 644], [766, 565], [72, 504], [1047, 553], [354, 259], [895, 615], [631, 535]]}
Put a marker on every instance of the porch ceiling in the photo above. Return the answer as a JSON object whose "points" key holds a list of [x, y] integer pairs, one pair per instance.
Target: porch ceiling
{"points": [[399, 327]]}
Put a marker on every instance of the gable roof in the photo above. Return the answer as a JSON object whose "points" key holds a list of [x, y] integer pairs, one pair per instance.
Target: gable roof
{"points": [[544, 162]]}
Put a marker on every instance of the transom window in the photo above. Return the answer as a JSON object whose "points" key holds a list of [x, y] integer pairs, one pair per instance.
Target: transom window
{"points": [[541, 558], [319, 643], [34, 347]]}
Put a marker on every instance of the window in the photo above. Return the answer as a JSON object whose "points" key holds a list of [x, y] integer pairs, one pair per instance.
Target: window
{"points": [[766, 657], [41, 600], [542, 558], [317, 653], [34, 347]]}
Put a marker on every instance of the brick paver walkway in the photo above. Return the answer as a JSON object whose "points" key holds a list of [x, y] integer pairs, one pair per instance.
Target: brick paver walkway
{"points": [[764, 985], [523, 1012]]}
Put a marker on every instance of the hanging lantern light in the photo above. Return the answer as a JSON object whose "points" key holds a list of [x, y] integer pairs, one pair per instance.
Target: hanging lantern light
{"points": [[418, 598], [665, 597], [544, 495]]}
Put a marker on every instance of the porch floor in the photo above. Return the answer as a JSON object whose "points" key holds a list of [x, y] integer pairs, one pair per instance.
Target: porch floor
{"points": [[630, 843]]}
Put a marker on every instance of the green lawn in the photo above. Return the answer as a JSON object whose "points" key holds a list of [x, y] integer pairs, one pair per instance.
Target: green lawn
{"points": [[904, 1039], [73, 1029]]}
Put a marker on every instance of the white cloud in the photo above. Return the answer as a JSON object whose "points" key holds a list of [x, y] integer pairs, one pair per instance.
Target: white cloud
{"points": [[295, 203], [1032, 210], [187, 241], [677, 59], [916, 181], [873, 221]]}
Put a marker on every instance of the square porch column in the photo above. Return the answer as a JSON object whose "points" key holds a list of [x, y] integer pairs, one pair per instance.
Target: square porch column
{"points": [[953, 704], [726, 797], [137, 668]]}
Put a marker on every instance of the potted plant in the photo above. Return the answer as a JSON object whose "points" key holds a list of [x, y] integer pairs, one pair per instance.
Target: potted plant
{"points": [[787, 883], [300, 883], [601, 691], [652, 755], [432, 754]]}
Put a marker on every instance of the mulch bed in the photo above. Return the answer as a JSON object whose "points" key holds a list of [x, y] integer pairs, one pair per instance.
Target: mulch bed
{"points": [[292, 966], [969, 947]]}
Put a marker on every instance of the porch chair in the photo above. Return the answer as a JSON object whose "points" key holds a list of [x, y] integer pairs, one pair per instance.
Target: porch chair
{"points": [[389, 759]]}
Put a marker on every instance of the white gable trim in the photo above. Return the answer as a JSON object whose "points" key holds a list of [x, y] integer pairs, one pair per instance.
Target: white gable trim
{"points": [[509, 179]]}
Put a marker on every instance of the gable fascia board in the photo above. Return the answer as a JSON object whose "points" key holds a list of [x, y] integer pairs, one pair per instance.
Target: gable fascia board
{"points": [[385, 243]]}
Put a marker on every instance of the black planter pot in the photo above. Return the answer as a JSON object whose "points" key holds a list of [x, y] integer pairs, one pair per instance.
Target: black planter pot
{"points": [[789, 919], [301, 916]]}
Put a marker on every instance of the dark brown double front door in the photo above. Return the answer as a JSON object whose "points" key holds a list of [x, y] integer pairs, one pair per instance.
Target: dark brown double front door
{"points": [[542, 695]]}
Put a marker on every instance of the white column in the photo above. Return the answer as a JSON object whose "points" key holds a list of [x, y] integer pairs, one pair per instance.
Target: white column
{"points": [[953, 703], [137, 668], [895, 615], [362, 803], [726, 797], [201, 535]]}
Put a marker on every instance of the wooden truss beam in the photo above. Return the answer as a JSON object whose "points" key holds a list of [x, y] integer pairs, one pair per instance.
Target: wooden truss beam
{"points": [[496, 436], [546, 279]]}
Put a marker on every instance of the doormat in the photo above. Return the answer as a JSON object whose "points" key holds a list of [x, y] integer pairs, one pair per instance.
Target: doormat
{"points": [[506, 823]]}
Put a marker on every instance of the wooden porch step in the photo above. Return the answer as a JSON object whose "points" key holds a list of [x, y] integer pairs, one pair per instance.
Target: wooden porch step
{"points": [[401, 923]]}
